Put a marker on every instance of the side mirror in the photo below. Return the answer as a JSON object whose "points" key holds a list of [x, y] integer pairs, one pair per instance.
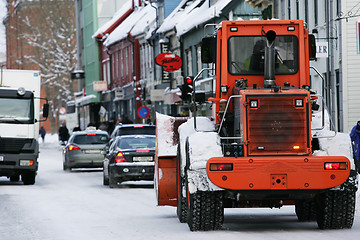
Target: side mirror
{"points": [[208, 50], [312, 47], [45, 110]]}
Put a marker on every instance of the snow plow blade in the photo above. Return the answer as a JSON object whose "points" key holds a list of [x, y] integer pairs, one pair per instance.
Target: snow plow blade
{"points": [[167, 139], [284, 173]]}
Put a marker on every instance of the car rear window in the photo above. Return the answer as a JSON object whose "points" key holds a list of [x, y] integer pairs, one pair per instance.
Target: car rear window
{"points": [[91, 139], [137, 143], [145, 130]]}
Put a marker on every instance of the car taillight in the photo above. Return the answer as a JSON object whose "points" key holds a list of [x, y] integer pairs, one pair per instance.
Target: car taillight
{"points": [[73, 147], [142, 150], [335, 166], [91, 134], [138, 126], [119, 158], [221, 166]]}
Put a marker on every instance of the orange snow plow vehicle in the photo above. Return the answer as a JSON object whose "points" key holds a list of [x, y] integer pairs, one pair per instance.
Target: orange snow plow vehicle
{"points": [[259, 149]]}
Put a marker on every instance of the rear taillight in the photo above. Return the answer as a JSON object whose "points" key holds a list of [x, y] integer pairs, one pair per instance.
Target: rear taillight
{"points": [[119, 158], [335, 166], [142, 150], [73, 147], [138, 126], [91, 134], [221, 166]]}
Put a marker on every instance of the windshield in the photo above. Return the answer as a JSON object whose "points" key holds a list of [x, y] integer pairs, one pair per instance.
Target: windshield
{"points": [[138, 142], [246, 55], [91, 138], [13, 110], [145, 130]]}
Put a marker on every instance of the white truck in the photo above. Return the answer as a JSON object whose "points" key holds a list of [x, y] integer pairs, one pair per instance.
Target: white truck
{"points": [[19, 124]]}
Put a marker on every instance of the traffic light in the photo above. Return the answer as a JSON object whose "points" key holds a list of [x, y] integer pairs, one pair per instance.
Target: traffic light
{"points": [[187, 89]]}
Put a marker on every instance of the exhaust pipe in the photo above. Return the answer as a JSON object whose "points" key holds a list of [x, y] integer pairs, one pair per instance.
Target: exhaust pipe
{"points": [[269, 68]]}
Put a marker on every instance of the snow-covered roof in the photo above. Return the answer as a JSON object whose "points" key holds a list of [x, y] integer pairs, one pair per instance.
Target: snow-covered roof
{"points": [[190, 14], [137, 23], [127, 8]]}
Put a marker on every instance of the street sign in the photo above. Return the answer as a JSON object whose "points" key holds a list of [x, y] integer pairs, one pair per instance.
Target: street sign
{"points": [[100, 86], [62, 110], [171, 62], [143, 112]]}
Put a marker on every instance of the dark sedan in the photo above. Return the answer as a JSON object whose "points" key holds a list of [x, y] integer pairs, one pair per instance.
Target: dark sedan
{"points": [[130, 157]]}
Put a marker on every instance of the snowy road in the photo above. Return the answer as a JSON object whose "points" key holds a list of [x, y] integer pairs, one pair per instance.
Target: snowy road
{"points": [[75, 205]]}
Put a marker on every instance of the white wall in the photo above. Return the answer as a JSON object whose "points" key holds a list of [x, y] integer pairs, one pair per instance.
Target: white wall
{"points": [[351, 67]]}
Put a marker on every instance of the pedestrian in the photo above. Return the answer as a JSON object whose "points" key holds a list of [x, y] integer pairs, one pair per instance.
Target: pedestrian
{"points": [[63, 133], [126, 120], [42, 133], [77, 128], [355, 139]]}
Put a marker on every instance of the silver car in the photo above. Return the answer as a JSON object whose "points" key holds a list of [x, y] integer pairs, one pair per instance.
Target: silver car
{"points": [[85, 149]]}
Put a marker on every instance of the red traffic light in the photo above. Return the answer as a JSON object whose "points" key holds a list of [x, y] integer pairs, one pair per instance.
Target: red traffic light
{"points": [[188, 80]]}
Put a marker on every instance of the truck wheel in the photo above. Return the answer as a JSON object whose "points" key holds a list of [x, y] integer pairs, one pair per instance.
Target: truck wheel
{"points": [[28, 178], [305, 210], [206, 211], [14, 178], [181, 209], [336, 208]]}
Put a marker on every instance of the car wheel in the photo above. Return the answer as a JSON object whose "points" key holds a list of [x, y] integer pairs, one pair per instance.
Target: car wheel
{"points": [[105, 179]]}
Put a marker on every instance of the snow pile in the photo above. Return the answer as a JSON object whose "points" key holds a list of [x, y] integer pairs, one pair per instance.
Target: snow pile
{"points": [[190, 15], [203, 145], [331, 143], [165, 135], [138, 22]]}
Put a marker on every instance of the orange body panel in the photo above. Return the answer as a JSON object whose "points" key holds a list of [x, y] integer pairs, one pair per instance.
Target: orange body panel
{"points": [[278, 173], [165, 180]]}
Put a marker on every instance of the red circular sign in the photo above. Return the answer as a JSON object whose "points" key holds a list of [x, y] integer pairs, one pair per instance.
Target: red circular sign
{"points": [[171, 62]]}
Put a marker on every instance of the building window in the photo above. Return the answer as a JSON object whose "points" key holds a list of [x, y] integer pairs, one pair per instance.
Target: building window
{"points": [[122, 63], [297, 10], [289, 9], [198, 56], [189, 62]]}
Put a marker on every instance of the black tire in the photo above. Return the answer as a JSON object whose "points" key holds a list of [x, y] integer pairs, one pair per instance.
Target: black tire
{"points": [[181, 209], [336, 208], [28, 178], [105, 179], [206, 211], [112, 182], [14, 178], [65, 167], [305, 210]]}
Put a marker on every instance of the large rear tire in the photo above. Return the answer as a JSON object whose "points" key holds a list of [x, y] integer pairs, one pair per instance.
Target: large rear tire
{"points": [[336, 208], [305, 210], [206, 211], [181, 209]]}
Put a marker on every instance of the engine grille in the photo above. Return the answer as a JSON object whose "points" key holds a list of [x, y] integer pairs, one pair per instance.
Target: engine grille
{"points": [[277, 126], [13, 145]]}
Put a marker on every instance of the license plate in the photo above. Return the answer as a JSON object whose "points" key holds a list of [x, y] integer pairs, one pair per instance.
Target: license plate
{"points": [[92, 151], [142, 159], [1, 158]]}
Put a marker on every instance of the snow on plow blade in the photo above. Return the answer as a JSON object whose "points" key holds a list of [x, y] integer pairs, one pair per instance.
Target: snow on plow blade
{"points": [[291, 173], [167, 139]]}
